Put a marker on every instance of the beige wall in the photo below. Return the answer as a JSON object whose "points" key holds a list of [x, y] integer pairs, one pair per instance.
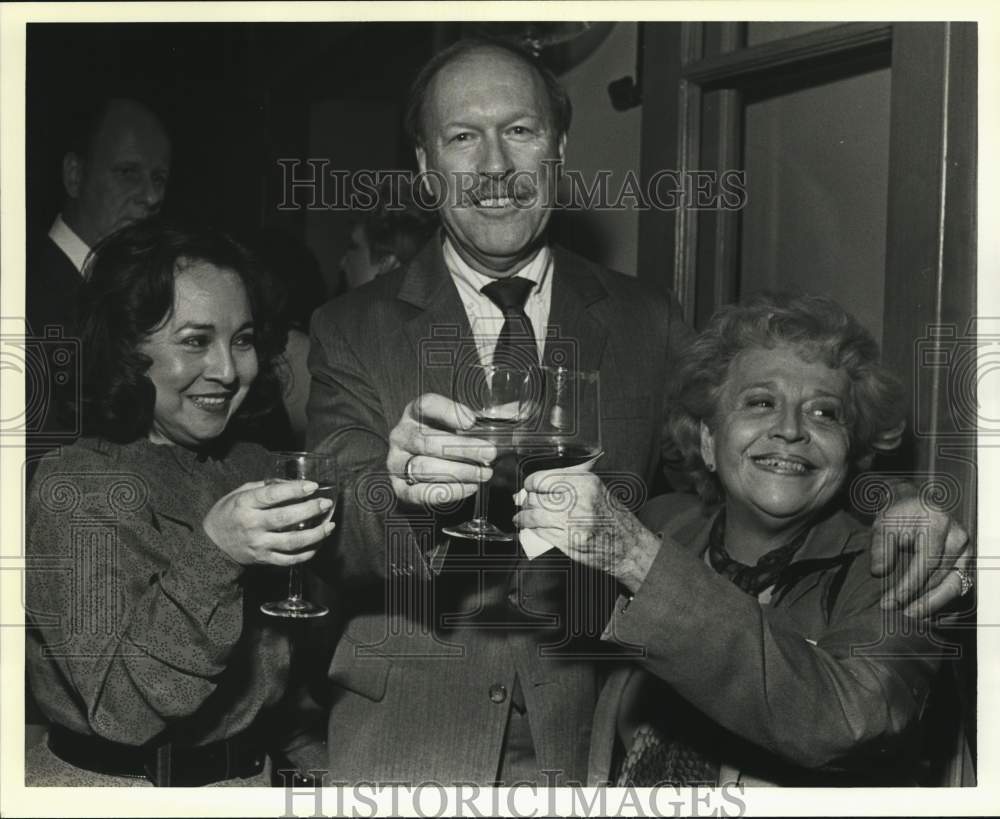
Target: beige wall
{"points": [[603, 138]]}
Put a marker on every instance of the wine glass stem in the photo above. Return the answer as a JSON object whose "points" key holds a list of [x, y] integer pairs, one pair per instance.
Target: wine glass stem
{"points": [[294, 583], [482, 503]]}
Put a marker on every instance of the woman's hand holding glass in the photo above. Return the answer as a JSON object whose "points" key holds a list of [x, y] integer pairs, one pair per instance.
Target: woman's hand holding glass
{"points": [[248, 523], [575, 512]]}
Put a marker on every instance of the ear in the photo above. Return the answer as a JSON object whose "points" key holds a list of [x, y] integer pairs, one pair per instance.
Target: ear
{"points": [[72, 174], [562, 148], [425, 180], [707, 447]]}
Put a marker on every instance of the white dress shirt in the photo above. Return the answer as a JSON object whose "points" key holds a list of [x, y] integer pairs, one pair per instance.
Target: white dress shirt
{"points": [[485, 318], [69, 243]]}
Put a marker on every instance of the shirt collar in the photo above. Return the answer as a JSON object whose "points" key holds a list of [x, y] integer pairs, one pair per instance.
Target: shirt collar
{"points": [[69, 243], [537, 270]]}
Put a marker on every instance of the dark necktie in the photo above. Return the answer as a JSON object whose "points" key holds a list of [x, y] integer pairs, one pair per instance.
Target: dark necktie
{"points": [[515, 349], [516, 346]]}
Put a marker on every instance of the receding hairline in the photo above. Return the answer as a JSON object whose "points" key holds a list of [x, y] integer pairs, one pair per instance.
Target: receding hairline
{"points": [[476, 51], [121, 113], [472, 51]]}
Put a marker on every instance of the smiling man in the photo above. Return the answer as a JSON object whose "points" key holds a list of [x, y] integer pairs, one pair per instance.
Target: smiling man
{"points": [[441, 673], [460, 661], [490, 128]]}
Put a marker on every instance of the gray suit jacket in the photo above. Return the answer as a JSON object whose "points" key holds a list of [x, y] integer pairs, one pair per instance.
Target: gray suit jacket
{"points": [[436, 632]]}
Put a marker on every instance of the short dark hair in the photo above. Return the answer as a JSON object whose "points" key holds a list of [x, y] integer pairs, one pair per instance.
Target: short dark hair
{"points": [[129, 292], [560, 107], [817, 325]]}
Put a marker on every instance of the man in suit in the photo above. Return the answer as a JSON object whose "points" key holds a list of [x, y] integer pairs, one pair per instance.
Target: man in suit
{"points": [[114, 172], [460, 661]]}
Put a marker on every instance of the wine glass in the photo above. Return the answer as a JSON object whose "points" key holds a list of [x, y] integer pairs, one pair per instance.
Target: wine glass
{"points": [[565, 427], [310, 466], [500, 397]]}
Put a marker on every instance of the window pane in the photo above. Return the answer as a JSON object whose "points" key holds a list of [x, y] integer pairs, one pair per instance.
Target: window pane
{"points": [[817, 163]]}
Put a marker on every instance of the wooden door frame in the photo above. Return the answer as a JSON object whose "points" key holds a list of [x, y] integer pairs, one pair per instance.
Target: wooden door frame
{"points": [[930, 243]]}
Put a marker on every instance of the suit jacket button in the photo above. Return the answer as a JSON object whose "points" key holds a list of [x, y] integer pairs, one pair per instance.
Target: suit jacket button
{"points": [[498, 693]]}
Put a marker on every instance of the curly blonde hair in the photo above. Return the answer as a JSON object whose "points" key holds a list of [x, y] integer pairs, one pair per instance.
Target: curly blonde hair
{"points": [[823, 330]]}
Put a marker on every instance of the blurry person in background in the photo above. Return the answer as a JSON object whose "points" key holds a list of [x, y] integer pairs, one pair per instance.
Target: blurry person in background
{"points": [[387, 236], [114, 172]]}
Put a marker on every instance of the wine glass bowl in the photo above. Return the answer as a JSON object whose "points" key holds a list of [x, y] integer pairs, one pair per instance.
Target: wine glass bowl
{"points": [[500, 398], [321, 469], [324, 490], [565, 424]]}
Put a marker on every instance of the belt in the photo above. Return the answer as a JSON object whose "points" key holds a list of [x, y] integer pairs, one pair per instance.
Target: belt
{"points": [[163, 765]]}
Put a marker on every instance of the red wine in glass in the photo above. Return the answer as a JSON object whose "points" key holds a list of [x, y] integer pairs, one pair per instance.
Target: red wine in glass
{"points": [[566, 427], [559, 456]]}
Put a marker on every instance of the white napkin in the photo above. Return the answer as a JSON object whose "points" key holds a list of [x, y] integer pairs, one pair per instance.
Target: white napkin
{"points": [[532, 542]]}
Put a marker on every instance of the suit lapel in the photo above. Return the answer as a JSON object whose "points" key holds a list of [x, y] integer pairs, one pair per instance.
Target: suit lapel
{"points": [[439, 332], [574, 337], [441, 336]]}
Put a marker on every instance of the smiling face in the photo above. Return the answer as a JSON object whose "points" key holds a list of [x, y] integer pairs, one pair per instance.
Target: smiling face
{"points": [[488, 131], [203, 355], [780, 441]]}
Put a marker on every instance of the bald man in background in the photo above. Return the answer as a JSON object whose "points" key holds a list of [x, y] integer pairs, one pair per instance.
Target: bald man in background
{"points": [[115, 172]]}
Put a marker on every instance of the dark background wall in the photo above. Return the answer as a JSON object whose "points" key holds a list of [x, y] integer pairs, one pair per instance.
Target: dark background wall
{"points": [[234, 97], [238, 97]]}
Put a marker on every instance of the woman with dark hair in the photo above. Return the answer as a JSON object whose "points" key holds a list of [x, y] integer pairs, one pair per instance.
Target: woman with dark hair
{"points": [[149, 537], [765, 655]]}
